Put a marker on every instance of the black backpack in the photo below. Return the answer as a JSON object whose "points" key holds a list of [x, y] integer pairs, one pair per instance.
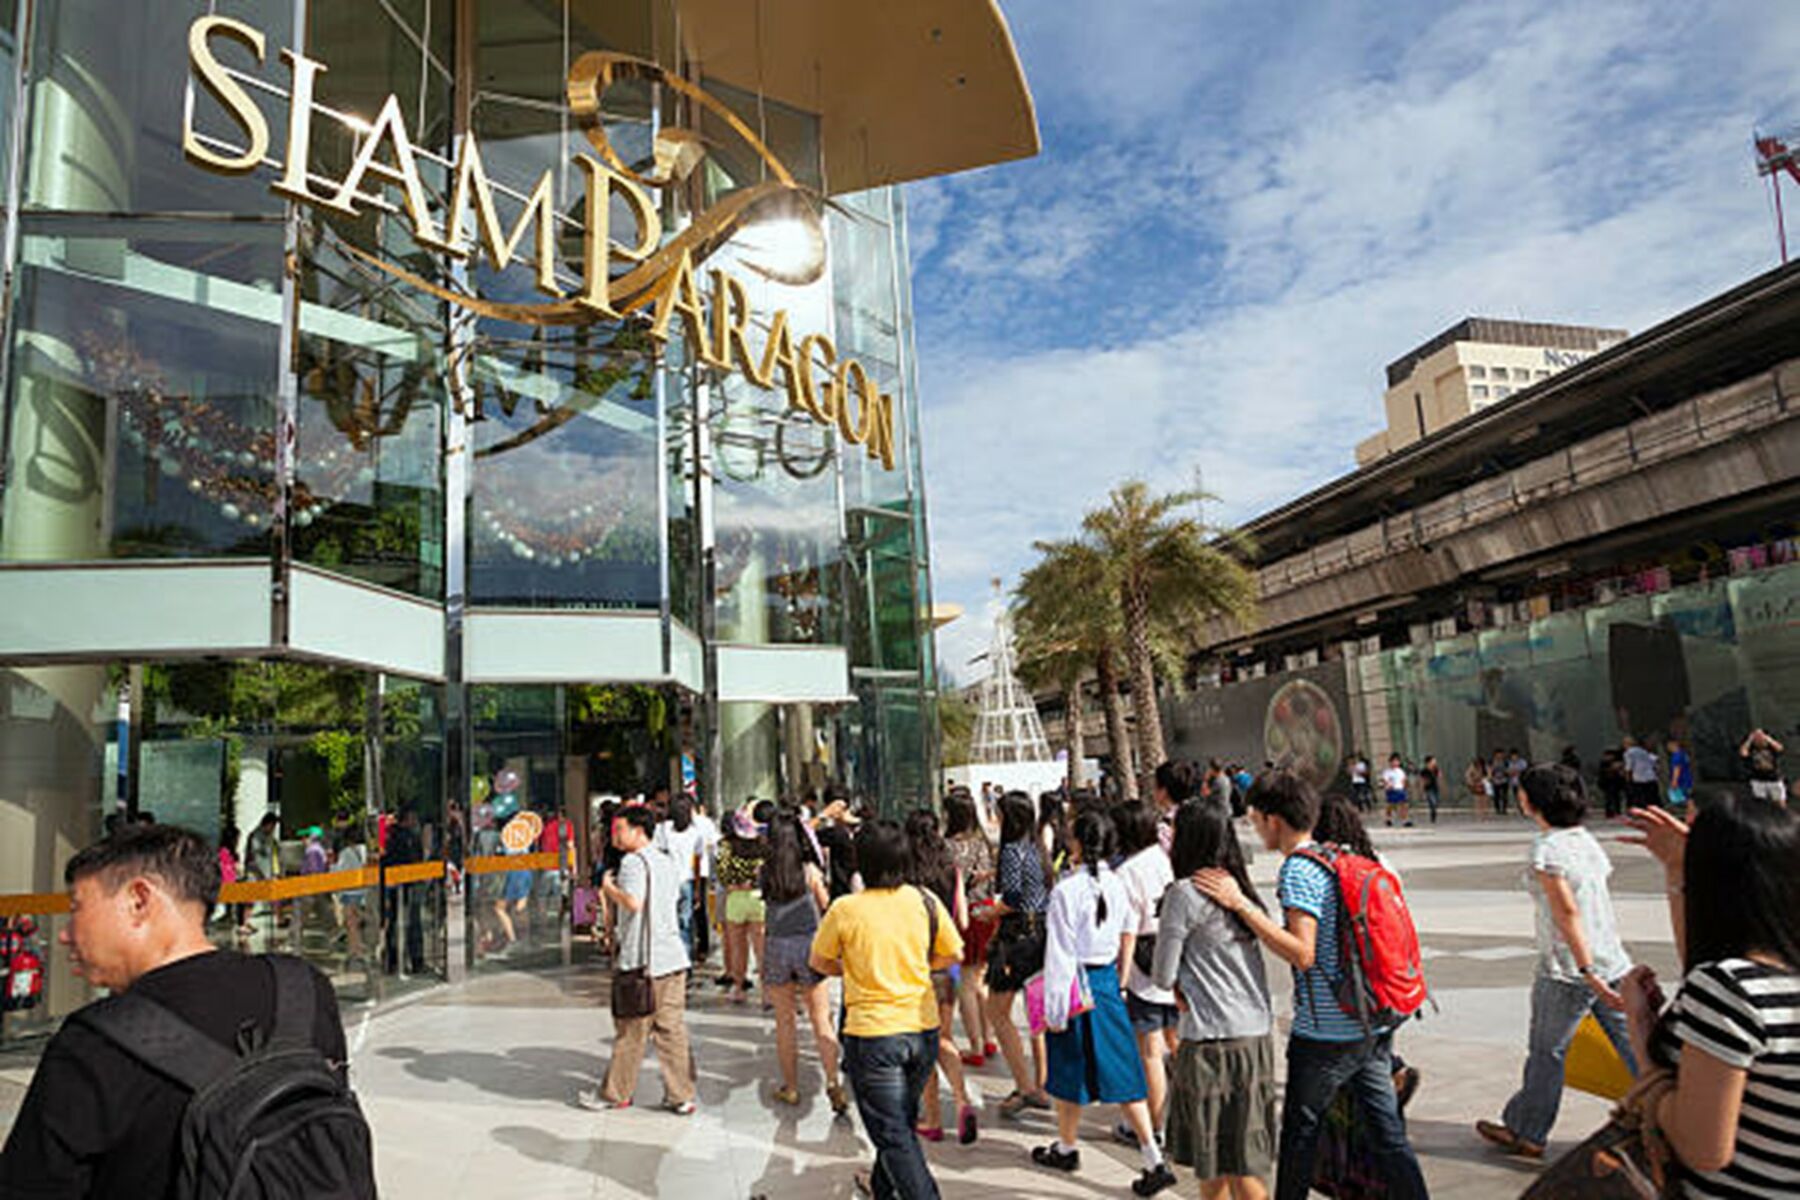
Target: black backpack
{"points": [[272, 1122]]}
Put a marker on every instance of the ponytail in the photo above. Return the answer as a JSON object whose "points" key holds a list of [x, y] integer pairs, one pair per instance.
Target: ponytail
{"points": [[1098, 837]]}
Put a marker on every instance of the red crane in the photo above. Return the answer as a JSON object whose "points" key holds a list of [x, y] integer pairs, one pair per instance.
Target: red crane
{"points": [[1773, 156]]}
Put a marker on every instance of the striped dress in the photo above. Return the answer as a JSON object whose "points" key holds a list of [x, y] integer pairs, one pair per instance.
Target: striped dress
{"points": [[1747, 1015]]}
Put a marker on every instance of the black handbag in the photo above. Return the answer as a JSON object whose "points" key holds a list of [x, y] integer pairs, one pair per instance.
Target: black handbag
{"points": [[1016, 953], [1143, 953], [633, 994]]}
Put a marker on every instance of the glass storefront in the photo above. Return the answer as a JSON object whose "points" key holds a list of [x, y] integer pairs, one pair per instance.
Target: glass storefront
{"points": [[306, 515]]}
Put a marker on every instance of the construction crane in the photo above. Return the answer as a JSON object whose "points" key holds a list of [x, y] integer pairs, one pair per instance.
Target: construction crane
{"points": [[1773, 158]]}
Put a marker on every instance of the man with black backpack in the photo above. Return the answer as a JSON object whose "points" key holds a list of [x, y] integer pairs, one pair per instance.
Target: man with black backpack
{"points": [[1356, 975], [206, 1074]]}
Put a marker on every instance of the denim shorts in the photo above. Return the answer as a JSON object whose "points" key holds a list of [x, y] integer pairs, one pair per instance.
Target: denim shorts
{"points": [[785, 960], [1147, 1016]]}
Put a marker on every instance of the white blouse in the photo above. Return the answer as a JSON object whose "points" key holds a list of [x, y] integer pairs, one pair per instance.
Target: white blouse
{"points": [[1073, 938]]}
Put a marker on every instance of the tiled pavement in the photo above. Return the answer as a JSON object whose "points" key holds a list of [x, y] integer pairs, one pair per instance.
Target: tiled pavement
{"points": [[469, 1088]]}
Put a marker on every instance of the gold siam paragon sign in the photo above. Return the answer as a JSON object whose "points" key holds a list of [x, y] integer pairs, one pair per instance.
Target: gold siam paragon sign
{"points": [[659, 274]]}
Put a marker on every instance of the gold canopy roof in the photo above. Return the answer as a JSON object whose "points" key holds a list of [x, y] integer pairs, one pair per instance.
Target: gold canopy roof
{"points": [[903, 89]]}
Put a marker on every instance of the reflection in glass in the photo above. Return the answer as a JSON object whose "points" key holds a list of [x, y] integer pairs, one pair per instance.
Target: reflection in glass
{"points": [[563, 508], [778, 538], [108, 85], [141, 406], [368, 488]]}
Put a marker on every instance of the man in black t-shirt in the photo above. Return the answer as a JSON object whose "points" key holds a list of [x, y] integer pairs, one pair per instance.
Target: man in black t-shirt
{"points": [[97, 1123], [835, 832], [404, 847]]}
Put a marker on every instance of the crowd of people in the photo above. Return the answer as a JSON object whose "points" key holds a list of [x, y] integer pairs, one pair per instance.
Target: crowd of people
{"points": [[1109, 953], [1640, 772], [1112, 953], [1130, 934]]}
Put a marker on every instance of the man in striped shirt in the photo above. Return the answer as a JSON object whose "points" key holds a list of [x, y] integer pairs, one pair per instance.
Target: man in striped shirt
{"points": [[1327, 1047]]}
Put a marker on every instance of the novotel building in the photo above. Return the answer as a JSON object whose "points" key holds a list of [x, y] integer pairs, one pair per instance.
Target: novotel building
{"points": [[437, 411]]}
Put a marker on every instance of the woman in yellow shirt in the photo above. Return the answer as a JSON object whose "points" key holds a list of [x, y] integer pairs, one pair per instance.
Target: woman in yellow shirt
{"points": [[885, 942]]}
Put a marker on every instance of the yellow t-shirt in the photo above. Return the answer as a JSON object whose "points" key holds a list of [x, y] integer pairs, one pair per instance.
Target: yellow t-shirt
{"points": [[880, 937]]}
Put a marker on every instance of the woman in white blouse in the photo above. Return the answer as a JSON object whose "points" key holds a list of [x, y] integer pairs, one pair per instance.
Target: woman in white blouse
{"points": [[1093, 1057]]}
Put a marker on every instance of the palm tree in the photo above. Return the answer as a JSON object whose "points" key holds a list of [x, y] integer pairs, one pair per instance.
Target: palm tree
{"points": [[1171, 572], [956, 718], [1067, 624]]}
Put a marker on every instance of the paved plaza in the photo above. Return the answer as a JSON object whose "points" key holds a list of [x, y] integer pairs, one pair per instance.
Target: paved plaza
{"points": [[469, 1088]]}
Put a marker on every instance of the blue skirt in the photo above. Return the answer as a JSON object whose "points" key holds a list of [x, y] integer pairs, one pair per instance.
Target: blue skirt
{"points": [[1095, 1060]]}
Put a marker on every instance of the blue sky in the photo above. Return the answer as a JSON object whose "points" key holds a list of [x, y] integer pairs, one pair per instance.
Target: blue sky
{"points": [[1245, 208]]}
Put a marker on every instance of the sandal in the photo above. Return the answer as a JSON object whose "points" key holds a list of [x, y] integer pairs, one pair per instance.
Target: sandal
{"points": [[840, 1103], [1498, 1135], [787, 1095]]}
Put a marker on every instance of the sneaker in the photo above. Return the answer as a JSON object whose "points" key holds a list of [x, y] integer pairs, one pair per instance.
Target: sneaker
{"points": [[1125, 1135], [1154, 1180], [968, 1128], [840, 1103], [683, 1108], [1056, 1160], [593, 1101], [1406, 1082], [1500, 1137]]}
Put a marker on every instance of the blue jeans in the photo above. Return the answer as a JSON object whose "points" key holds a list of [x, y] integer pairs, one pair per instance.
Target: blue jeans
{"points": [[889, 1075], [684, 916], [1316, 1070], [1556, 1011]]}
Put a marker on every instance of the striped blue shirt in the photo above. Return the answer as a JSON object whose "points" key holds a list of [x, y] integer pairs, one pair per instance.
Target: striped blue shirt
{"points": [[1306, 886]]}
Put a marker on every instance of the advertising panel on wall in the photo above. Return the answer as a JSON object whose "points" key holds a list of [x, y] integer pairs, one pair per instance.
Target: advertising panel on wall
{"points": [[1299, 719]]}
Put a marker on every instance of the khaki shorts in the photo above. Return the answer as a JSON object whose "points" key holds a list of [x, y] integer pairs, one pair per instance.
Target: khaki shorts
{"points": [[744, 907]]}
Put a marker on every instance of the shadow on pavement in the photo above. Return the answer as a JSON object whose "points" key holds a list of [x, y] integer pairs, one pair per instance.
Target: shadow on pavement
{"points": [[1439, 1140], [521, 1073]]}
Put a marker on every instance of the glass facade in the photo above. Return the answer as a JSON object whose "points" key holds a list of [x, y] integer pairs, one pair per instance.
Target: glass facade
{"points": [[408, 574], [1702, 663]]}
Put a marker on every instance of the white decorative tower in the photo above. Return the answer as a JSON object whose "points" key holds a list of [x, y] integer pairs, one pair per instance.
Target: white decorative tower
{"points": [[1007, 729]]}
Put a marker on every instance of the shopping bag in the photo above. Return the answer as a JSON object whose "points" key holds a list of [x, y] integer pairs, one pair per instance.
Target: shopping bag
{"points": [[1593, 1065], [1081, 1000], [584, 907], [1346, 1165]]}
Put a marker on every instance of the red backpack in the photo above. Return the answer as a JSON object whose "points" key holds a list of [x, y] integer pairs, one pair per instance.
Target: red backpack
{"points": [[1382, 974]]}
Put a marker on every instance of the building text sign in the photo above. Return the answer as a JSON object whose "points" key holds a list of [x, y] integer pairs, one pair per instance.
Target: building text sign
{"points": [[659, 274]]}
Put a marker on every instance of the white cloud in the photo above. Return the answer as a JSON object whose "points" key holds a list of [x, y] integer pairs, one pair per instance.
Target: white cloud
{"points": [[1570, 163]]}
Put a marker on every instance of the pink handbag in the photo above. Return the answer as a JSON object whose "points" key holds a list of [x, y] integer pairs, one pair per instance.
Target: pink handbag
{"points": [[1081, 999], [583, 907]]}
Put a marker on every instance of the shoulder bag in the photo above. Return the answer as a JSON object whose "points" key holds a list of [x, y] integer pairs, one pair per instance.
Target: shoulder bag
{"points": [[633, 995], [1628, 1159]]}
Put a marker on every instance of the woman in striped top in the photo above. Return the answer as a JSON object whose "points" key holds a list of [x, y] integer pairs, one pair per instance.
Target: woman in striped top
{"points": [[1732, 1035]]}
